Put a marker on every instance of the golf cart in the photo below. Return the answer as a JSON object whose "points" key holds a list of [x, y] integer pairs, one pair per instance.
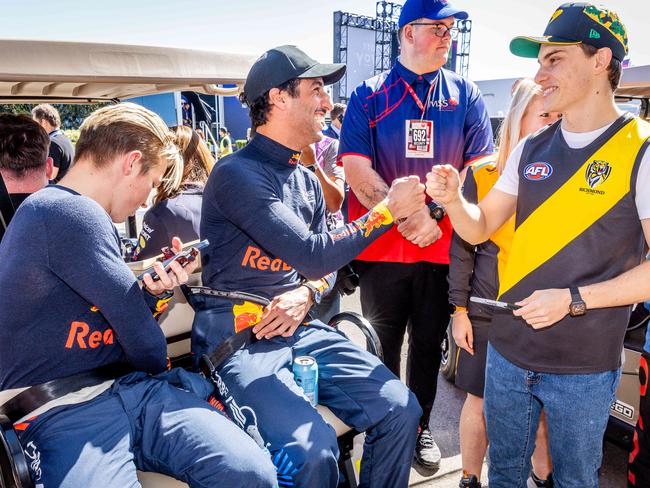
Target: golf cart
{"points": [[79, 72]]}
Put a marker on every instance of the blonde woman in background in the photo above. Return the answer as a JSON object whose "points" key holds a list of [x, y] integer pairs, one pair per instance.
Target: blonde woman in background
{"points": [[474, 271], [177, 205]]}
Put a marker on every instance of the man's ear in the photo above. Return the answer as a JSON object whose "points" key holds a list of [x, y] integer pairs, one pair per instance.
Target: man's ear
{"points": [[277, 98], [49, 168], [407, 34], [131, 163], [602, 58]]}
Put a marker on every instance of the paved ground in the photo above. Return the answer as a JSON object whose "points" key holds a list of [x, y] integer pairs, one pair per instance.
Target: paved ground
{"points": [[444, 424]]}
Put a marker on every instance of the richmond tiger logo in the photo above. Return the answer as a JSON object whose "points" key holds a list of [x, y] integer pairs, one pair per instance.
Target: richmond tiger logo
{"points": [[597, 173]]}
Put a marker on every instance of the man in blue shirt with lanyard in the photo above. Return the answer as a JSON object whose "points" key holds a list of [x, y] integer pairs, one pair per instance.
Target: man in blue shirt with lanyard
{"points": [[399, 123]]}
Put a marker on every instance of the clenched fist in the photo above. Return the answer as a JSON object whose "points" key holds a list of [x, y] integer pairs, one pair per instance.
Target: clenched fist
{"points": [[443, 184], [405, 197]]}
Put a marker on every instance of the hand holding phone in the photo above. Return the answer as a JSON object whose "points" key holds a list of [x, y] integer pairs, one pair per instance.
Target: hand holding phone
{"points": [[185, 257]]}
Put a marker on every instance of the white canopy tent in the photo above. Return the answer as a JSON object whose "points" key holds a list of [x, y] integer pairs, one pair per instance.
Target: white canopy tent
{"points": [[81, 72]]}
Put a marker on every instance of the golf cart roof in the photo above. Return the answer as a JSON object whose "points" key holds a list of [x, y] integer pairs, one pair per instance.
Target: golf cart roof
{"points": [[83, 72]]}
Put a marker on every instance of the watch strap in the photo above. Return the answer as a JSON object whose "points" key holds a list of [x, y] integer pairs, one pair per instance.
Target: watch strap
{"points": [[575, 294], [316, 294]]}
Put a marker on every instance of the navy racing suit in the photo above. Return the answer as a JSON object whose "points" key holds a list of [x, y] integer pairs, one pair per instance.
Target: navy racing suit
{"points": [[264, 215], [70, 305]]}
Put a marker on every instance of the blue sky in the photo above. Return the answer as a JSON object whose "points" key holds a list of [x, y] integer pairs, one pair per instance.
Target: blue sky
{"points": [[252, 26]]}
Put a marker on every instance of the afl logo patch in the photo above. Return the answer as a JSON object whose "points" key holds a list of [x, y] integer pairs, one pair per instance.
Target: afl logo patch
{"points": [[538, 171]]}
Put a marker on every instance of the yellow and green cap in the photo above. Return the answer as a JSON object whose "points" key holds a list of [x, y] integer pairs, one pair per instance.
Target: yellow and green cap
{"points": [[577, 23]]}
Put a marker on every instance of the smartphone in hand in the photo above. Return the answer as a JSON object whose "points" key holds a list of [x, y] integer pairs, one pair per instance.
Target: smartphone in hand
{"points": [[494, 303], [185, 257]]}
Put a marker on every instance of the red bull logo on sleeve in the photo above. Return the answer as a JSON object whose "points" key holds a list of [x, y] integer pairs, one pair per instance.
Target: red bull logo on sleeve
{"points": [[246, 315], [379, 215], [538, 171]]}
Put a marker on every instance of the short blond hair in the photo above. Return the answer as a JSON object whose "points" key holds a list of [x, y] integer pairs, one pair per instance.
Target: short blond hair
{"points": [[117, 129]]}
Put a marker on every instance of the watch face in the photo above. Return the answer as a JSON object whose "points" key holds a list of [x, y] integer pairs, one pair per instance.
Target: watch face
{"points": [[437, 212], [577, 308]]}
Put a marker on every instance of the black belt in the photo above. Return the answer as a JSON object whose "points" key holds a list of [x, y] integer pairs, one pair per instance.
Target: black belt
{"points": [[209, 362], [36, 396], [231, 295]]}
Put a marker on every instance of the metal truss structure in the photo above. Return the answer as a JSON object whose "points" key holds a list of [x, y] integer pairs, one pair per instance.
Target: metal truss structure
{"points": [[342, 21], [461, 56], [387, 17]]}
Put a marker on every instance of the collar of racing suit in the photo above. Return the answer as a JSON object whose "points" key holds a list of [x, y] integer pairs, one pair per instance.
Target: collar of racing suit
{"points": [[275, 152]]}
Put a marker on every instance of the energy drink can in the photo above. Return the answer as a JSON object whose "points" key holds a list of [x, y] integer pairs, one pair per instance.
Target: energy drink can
{"points": [[305, 372]]}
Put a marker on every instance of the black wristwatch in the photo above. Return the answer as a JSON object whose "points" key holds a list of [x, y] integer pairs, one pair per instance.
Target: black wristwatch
{"points": [[578, 306], [436, 211]]}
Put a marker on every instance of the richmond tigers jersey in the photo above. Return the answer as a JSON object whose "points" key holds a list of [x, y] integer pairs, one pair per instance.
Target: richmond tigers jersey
{"points": [[576, 224]]}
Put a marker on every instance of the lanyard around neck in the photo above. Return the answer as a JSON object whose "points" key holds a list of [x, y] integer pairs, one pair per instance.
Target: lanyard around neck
{"points": [[422, 106]]}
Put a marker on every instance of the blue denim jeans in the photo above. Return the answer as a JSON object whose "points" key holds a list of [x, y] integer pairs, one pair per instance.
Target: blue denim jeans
{"points": [[577, 410]]}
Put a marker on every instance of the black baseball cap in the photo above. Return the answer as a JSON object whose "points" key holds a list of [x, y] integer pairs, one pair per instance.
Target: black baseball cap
{"points": [[284, 63], [577, 23]]}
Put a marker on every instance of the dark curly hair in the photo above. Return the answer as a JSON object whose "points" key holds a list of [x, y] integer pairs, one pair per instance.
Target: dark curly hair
{"points": [[260, 107]]}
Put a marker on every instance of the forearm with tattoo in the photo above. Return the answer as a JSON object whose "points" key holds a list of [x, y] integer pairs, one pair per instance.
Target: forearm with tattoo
{"points": [[368, 186], [371, 192]]}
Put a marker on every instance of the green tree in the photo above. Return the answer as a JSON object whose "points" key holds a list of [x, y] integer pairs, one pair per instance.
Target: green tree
{"points": [[72, 115]]}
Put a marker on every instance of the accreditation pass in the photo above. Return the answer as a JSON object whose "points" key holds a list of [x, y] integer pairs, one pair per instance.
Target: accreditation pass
{"points": [[419, 138]]}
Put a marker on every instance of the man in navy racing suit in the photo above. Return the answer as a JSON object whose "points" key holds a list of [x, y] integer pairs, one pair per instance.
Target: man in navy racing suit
{"points": [[264, 215], [69, 304]]}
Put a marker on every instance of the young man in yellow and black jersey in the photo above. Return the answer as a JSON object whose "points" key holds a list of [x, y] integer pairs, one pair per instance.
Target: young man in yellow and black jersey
{"points": [[581, 218]]}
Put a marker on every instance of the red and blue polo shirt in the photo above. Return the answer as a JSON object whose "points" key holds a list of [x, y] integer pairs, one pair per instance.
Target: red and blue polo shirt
{"points": [[374, 127]]}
